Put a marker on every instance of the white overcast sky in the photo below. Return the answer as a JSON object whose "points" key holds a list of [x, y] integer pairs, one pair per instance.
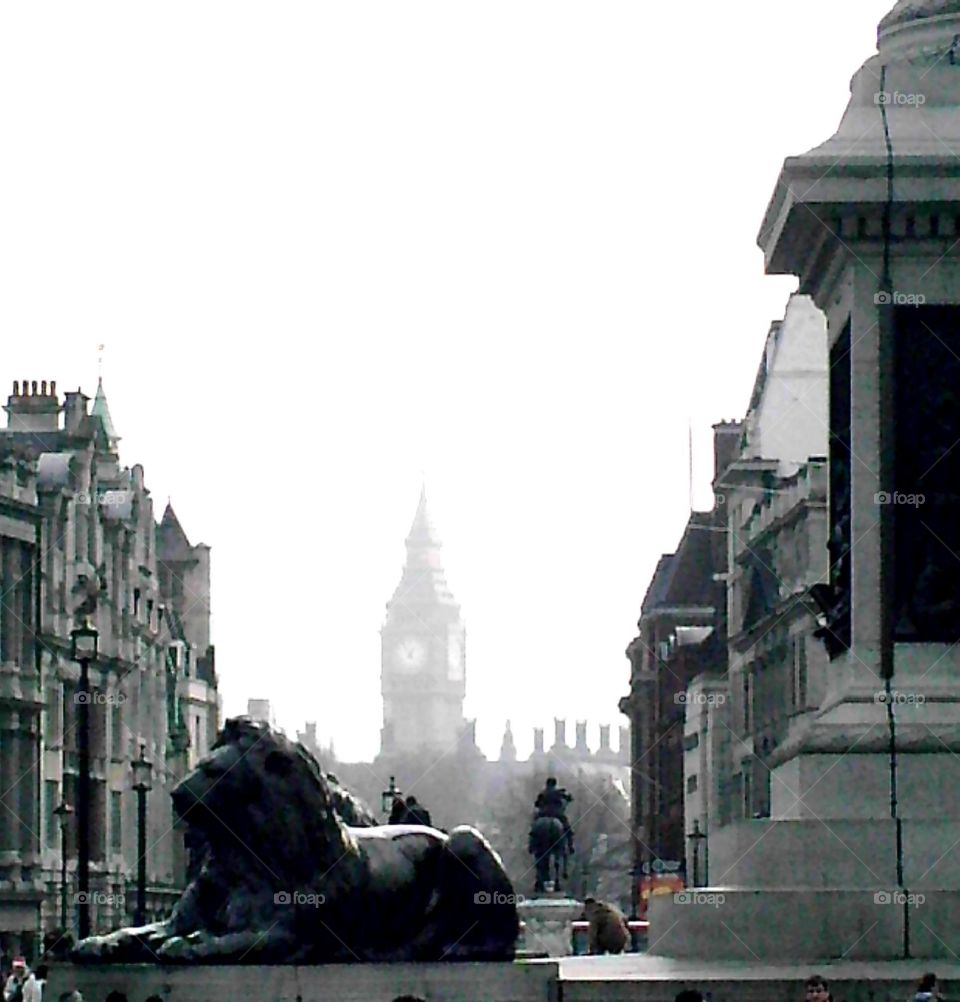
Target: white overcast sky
{"points": [[331, 245]]}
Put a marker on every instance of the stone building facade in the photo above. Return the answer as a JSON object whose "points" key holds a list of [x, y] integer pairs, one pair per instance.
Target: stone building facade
{"points": [[776, 534], [74, 524], [726, 660], [682, 633]]}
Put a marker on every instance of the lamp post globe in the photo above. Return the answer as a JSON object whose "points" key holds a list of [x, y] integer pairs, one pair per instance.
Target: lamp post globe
{"points": [[389, 796]]}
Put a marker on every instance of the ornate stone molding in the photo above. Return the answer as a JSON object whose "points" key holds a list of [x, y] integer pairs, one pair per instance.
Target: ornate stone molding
{"points": [[915, 10]]}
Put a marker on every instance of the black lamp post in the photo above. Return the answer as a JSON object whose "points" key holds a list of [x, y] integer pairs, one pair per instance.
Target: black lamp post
{"points": [[83, 649], [62, 814], [696, 837], [142, 769], [389, 796]]}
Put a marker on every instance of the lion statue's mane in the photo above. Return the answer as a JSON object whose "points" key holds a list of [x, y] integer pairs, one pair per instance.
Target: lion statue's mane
{"points": [[276, 876]]}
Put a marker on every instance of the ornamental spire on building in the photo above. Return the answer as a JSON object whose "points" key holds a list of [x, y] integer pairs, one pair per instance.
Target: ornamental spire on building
{"points": [[101, 411], [423, 579], [508, 748]]}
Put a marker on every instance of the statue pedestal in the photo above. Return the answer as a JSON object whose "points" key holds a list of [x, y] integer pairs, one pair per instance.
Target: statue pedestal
{"points": [[548, 925], [452, 982]]}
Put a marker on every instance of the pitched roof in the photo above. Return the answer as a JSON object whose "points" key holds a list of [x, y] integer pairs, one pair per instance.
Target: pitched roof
{"points": [[172, 542], [422, 532], [685, 578]]}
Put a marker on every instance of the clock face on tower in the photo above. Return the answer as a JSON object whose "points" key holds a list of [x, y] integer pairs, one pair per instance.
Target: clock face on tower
{"points": [[411, 654]]}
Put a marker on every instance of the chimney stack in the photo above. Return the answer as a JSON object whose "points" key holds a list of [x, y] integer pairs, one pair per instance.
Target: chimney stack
{"points": [[582, 747], [74, 410], [32, 412], [726, 447], [538, 741], [559, 733], [605, 738]]}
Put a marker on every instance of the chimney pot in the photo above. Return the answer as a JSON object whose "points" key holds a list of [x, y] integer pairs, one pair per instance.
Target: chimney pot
{"points": [[26, 388], [16, 388], [53, 387], [33, 387], [43, 387]]}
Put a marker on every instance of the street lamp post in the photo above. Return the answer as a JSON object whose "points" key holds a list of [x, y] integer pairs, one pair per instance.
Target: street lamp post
{"points": [[62, 814], [83, 649], [142, 769], [696, 837], [388, 796]]}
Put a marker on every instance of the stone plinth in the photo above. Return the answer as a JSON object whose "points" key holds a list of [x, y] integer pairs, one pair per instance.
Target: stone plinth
{"points": [[633, 978], [549, 925], [452, 982]]}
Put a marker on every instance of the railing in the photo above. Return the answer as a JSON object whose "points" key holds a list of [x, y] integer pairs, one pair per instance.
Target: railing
{"points": [[580, 936]]}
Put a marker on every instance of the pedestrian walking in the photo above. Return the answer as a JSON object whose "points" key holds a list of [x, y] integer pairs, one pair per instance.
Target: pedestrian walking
{"points": [[398, 812], [31, 991], [417, 814], [817, 989], [928, 990], [13, 988]]}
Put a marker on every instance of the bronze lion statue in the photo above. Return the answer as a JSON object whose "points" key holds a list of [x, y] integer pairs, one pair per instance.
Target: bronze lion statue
{"points": [[276, 876]]}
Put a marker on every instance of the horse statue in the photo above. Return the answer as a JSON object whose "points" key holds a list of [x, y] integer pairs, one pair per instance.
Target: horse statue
{"points": [[278, 875], [548, 842]]}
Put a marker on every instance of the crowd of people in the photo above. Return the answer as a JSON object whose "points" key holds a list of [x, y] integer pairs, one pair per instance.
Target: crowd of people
{"points": [[818, 990], [409, 811], [24, 985]]}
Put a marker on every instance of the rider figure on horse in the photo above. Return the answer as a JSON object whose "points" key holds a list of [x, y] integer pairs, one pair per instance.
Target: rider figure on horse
{"points": [[552, 802]]}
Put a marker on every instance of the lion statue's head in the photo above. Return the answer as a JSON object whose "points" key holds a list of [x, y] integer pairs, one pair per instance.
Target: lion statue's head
{"points": [[259, 802]]}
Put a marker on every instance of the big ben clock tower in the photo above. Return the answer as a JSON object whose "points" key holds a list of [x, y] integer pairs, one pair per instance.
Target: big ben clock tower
{"points": [[423, 661]]}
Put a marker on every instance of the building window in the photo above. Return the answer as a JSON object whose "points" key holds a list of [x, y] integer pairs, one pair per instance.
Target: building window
{"points": [[51, 800], [116, 732], [691, 741], [136, 603], [116, 821], [692, 784], [51, 722], [800, 674], [747, 703]]}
